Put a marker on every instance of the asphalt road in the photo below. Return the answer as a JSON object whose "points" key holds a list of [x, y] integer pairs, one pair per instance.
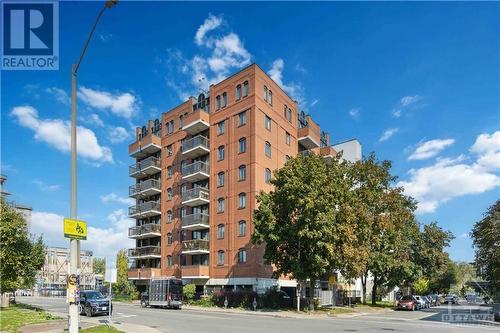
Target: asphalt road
{"points": [[199, 321]]}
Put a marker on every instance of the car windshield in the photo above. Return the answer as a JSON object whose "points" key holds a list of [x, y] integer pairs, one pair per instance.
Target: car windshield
{"points": [[406, 298], [93, 295]]}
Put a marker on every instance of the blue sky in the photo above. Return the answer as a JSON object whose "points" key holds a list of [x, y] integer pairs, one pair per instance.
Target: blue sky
{"points": [[418, 83]]}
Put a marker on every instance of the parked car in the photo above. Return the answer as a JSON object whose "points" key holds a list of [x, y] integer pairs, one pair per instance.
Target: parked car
{"points": [[163, 292], [92, 302], [420, 302], [428, 301], [452, 298], [407, 302], [434, 299]]}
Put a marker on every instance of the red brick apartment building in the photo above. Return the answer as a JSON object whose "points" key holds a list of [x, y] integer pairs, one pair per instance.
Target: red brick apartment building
{"points": [[197, 173]]}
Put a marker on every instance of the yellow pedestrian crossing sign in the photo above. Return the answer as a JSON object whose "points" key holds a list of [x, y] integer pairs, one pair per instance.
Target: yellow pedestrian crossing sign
{"points": [[75, 229]]}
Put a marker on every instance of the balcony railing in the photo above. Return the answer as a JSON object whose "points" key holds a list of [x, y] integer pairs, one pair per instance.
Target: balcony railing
{"points": [[195, 147], [145, 188], [195, 246], [196, 196], [145, 251], [145, 209], [135, 273], [196, 171], [195, 271], [195, 221], [142, 231], [145, 167]]}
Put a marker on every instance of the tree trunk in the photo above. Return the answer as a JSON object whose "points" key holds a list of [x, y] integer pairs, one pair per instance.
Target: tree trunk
{"points": [[364, 277], [374, 290]]}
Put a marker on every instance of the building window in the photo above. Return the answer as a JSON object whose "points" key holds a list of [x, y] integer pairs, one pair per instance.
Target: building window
{"points": [[238, 91], [242, 200], [169, 194], [170, 239], [268, 149], [181, 122], [266, 92], [289, 114], [242, 228], [172, 128], [169, 150], [183, 212], [245, 89], [242, 172], [288, 138], [270, 95], [183, 189], [221, 127], [169, 172], [287, 158], [220, 257], [167, 128], [221, 203], [224, 99], [169, 261], [220, 179], [268, 123], [220, 231], [221, 153], [267, 176], [169, 216], [242, 145], [217, 102], [242, 118], [242, 256]]}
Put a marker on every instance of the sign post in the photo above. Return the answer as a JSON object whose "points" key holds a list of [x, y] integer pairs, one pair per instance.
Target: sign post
{"points": [[110, 276]]}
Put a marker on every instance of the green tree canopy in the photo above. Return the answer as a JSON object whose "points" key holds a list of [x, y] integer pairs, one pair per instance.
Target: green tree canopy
{"points": [[99, 265], [20, 256], [307, 222], [485, 237]]}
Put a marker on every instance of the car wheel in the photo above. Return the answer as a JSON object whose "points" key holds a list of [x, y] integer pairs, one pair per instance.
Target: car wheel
{"points": [[143, 304], [88, 311], [80, 309]]}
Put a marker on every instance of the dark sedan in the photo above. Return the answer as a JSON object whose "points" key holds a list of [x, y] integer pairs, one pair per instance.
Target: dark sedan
{"points": [[93, 302]]}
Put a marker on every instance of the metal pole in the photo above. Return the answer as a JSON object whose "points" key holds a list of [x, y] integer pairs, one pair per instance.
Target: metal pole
{"points": [[74, 244]]}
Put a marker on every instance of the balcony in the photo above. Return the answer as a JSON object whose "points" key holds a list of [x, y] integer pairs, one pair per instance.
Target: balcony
{"points": [[145, 146], [195, 272], [144, 231], [195, 246], [195, 147], [195, 222], [328, 153], [146, 209], [196, 122], [144, 189], [196, 197], [143, 273], [144, 168], [195, 171], [144, 252], [309, 136]]}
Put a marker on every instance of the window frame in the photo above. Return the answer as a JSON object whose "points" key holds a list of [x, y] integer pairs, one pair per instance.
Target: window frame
{"points": [[170, 238], [268, 174], [219, 262], [242, 255], [221, 153], [238, 92], [224, 99], [242, 145], [221, 231], [242, 168], [242, 200], [221, 205], [217, 103], [240, 224], [242, 118], [268, 145], [245, 89], [268, 120], [221, 127], [221, 176], [170, 194], [288, 138]]}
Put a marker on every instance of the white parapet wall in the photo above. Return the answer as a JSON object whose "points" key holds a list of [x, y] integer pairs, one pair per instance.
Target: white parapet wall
{"points": [[351, 150]]}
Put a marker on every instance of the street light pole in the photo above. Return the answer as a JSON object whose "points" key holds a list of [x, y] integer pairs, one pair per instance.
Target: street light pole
{"points": [[74, 248]]}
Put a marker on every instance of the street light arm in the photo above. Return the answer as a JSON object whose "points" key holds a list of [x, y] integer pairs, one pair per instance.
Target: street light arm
{"points": [[108, 4]]}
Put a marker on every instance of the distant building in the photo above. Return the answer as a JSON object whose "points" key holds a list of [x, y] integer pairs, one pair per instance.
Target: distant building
{"points": [[51, 279], [25, 211]]}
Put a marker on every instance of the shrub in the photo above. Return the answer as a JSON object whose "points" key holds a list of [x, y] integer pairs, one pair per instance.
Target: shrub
{"points": [[235, 299], [189, 291]]}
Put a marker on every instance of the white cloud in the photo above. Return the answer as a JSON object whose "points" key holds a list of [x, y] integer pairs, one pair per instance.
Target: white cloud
{"points": [[104, 242], [57, 133], [117, 134], [430, 149], [300, 68], [114, 198], [293, 89], [93, 119], [211, 23], [405, 102], [388, 134], [314, 102], [59, 95], [44, 187], [488, 148], [120, 104], [450, 178], [354, 113], [220, 53]]}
